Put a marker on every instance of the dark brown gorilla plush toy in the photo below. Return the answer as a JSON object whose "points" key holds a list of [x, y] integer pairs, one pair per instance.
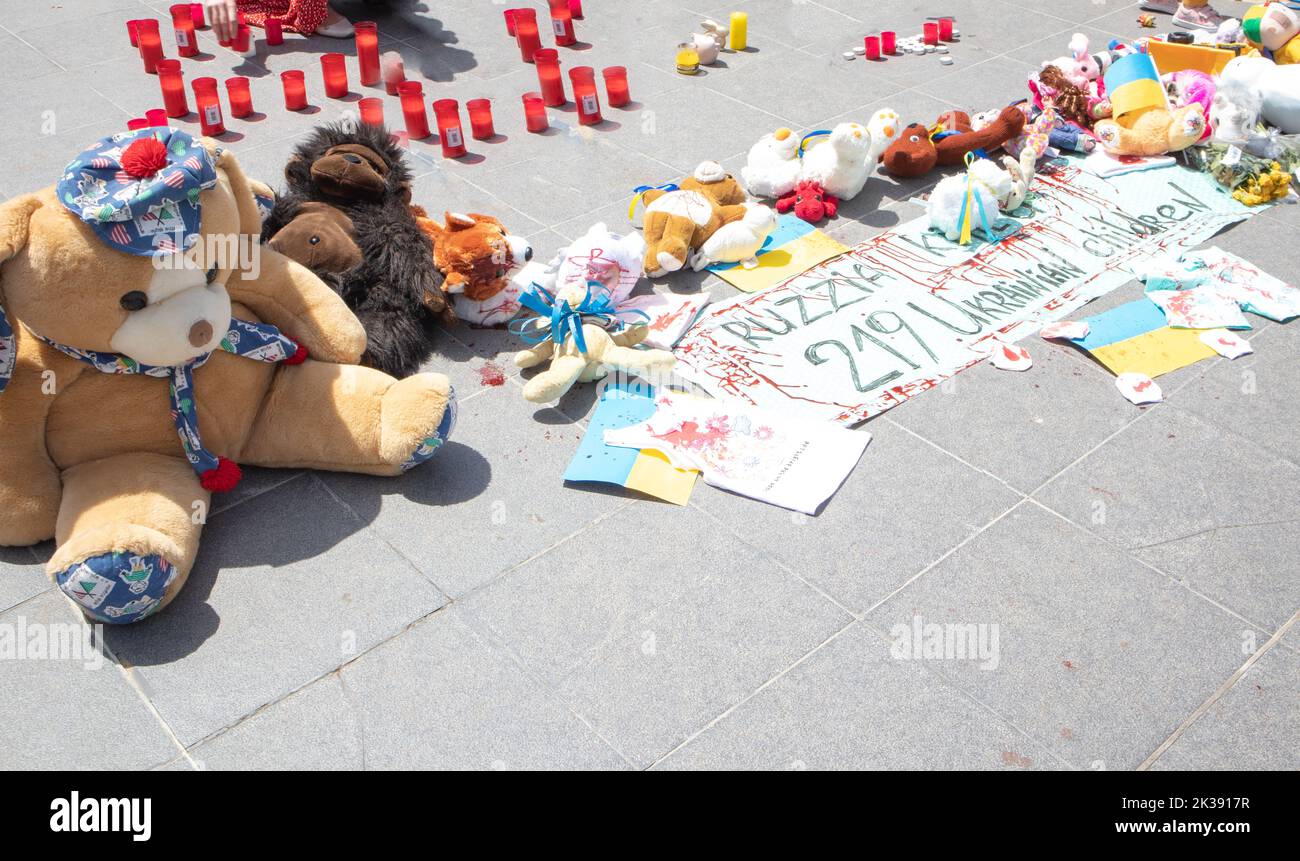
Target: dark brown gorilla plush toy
{"points": [[345, 214]]}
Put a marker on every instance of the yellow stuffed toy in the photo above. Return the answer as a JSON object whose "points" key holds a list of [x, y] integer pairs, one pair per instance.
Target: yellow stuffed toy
{"points": [[1274, 27], [1142, 123], [142, 356], [578, 340]]}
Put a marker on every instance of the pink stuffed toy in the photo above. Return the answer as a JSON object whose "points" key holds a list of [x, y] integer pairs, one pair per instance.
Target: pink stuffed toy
{"points": [[1190, 87]]}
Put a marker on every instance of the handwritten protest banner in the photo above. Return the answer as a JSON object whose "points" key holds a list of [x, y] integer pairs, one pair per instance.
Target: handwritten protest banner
{"points": [[907, 309]]}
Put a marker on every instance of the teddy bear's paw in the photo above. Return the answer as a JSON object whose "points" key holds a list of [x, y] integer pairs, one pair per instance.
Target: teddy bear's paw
{"points": [[432, 440], [668, 262], [118, 588]]}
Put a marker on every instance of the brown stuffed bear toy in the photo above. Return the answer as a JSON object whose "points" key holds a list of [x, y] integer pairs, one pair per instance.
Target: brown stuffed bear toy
{"points": [[320, 237], [128, 320], [915, 153], [678, 222], [358, 172]]}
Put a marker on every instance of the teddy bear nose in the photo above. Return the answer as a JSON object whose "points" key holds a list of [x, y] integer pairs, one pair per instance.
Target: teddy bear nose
{"points": [[200, 333], [352, 159]]}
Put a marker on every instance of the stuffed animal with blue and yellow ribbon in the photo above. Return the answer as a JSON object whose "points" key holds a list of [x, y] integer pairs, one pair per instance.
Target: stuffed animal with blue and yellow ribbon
{"points": [[584, 336]]}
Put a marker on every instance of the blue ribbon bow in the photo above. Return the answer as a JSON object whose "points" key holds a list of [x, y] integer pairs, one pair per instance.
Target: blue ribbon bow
{"points": [[559, 319]]}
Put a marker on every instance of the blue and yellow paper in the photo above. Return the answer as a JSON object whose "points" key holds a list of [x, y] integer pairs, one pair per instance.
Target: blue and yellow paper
{"points": [[1133, 84], [622, 405], [794, 247], [1135, 338]]}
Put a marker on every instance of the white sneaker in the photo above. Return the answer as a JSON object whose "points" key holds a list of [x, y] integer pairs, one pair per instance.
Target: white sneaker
{"points": [[339, 28], [1164, 7], [1198, 18]]}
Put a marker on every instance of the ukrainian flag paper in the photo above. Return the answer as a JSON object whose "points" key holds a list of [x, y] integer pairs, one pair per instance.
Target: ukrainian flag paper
{"points": [[1135, 337], [793, 248], [622, 405]]}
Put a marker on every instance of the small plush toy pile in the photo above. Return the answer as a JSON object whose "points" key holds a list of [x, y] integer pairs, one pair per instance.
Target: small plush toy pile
{"points": [[1231, 116], [810, 176]]}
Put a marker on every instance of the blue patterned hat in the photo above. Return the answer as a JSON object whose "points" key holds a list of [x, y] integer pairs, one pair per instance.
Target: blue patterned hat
{"points": [[139, 190]]}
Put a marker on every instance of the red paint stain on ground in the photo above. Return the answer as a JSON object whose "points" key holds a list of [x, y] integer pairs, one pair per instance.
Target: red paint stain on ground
{"points": [[491, 375], [1011, 758]]}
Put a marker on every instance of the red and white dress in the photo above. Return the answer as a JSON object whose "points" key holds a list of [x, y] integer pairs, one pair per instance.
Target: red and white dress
{"points": [[300, 16]]}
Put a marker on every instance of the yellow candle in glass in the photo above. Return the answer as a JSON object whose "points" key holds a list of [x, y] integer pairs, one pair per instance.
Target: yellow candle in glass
{"points": [[688, 59], [739, 31]]}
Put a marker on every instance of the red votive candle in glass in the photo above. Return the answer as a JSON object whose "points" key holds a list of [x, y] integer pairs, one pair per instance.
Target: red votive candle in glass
{"points": [[872, 44], [130, 31], [137, 123], [372, 111], [510, 21], [616, 86], [183, 26], [930, 32], [196, 15], [335, 72], [535, 112], [208, 104], [368, 51], [150, 44], [888, 41], [294, 82], [393, 70], [526, 33], [274, 31], [945, 29], [575, 8], [243, 44], [156, 117], [480, 118], [549, 78], [562, 23], [239, 96], [583, 79], [417, 121], [447, 113], [172, 81]]}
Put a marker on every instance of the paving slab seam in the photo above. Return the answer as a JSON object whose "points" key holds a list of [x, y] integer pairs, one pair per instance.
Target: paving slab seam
{"points": [[887, 419], [953, 683], [483, 629], [1259, 627], [1218, 695], [369, 531], [969, 538], [772, 559], [262, 707], [710, 724]]}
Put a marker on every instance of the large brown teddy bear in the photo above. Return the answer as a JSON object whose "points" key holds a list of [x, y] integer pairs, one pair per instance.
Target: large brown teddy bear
{"points": [[127, 321], [678, 222]]}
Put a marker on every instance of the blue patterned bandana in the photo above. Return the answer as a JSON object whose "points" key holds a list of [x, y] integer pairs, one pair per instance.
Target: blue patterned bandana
{"points": [[140, 190], [252, 341]]}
